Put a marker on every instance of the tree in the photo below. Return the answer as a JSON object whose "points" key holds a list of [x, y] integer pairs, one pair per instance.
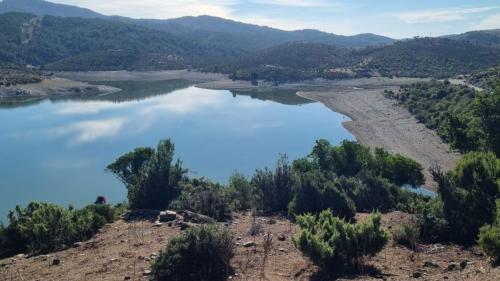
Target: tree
{"points": [[488, 110], [241, 192], [468, 194], [151, 180]]}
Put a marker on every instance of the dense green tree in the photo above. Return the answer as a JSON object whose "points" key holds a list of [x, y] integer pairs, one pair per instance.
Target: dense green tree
{"points": [[316, 193], [468, 194], [241, 192], [152, 181], [488, 110]]}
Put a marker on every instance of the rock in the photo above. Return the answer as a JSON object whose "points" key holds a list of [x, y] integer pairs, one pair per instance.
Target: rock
{"points": [[282, 250], [417, 274], [196, 218], [77, 244], [56, 261], [127, 278], [281, 237], [463, 264], [146, 272], [167, 216], [431, 264], [249, 244], [239, 238], [157, 224], [452, 266], [21, 256]]}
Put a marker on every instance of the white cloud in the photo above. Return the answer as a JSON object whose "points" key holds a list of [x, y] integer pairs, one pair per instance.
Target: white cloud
{"points": [[161, 9], [428, 16], [89, 107], [300, 3], [89, 131], [491, 22]]}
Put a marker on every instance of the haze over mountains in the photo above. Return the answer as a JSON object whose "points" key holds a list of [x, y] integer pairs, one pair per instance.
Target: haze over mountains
{"points": [[63, 37]]}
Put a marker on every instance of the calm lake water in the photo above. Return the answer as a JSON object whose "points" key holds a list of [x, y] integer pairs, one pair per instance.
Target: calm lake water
{"points": [[57, 150]]}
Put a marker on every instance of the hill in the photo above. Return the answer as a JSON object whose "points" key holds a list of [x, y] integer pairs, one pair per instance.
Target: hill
{"points": [[431, 57], [96, 44], [41, 8], [211, 30], [259, 37], [490, 38], [292, 62]]}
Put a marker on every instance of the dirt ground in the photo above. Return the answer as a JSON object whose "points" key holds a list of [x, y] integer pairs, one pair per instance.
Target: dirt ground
{"points": [[379, 122], [125, 251]]}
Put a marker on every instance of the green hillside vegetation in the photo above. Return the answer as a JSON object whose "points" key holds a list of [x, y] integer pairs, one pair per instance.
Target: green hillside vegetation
{"points": [[468, 120], [490, 38], [432, 57], [11, 75]]}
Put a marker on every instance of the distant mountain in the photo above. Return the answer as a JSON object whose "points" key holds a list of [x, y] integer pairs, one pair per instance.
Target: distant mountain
{"points": [[431, 57], [490, 38], [260, 37], [96, 44], [41, 8], [211, 30]]}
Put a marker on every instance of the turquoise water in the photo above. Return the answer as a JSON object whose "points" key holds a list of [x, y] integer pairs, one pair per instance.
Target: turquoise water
{"points": [[57, 150]]}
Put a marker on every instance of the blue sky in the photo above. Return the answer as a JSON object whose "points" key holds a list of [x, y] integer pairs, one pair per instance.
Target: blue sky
{"points": [[395, 18]]}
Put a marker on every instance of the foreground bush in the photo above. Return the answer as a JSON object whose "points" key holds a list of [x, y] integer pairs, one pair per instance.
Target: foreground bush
{"points": [[468, 194], [316, 194], [407, 234], [41, 228], [201, 254], [489, 237], [204, 197], [332, 243]]}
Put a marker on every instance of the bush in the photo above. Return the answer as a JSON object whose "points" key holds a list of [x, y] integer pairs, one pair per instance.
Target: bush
{"points": [[316, 194], [432, 222], [274, 190], [468, 194], [241, 193], [407, 234], [489, 241], [204, 197], [331, 242], [201, 253], [489, 237], [152, 181], [41, 228], [372, 193]]}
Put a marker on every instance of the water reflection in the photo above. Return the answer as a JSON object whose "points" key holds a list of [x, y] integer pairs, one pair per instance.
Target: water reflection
{"points": [[56, 150]]}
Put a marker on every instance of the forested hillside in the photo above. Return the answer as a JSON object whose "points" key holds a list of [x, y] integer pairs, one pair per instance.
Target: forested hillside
{"points": [[490, 38], [96, 44], [432, 57]]}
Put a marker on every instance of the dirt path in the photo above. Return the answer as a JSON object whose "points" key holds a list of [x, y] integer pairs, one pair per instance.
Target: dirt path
{"points": [[379, 122]]}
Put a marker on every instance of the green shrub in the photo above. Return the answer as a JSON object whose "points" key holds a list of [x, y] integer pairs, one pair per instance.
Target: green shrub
{"points": [[316, 194], [468, 194], [152, 181], [489, 241], [204, 197], [407, 234], [274, 190], [41, 227], [202, 254], [333, 243], [432, 222], [489, 237], [241, 193]]}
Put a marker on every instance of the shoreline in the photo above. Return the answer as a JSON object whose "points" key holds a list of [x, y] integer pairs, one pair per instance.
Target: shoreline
{"points": [[379, 122]]}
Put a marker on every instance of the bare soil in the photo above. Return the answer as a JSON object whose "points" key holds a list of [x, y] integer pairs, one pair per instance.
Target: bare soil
{"points": [[380, 122], [126, 250]]}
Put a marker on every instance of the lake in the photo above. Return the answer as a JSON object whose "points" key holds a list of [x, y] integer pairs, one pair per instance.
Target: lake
{"points": [[57, 150]]}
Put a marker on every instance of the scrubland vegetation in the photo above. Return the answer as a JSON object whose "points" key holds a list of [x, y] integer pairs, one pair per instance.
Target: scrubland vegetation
{"points": [[321, 192]]}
